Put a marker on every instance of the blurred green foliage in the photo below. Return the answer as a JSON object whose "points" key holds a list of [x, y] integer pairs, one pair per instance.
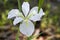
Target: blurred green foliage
{"points": [[51, 9], [5, 7]]}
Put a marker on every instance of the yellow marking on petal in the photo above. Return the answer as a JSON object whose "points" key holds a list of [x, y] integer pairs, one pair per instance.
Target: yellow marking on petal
{"points": [[26, 21]]}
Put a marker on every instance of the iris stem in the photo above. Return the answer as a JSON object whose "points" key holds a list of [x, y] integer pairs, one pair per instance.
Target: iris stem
{"points": [[17, 35], [19, 5]]}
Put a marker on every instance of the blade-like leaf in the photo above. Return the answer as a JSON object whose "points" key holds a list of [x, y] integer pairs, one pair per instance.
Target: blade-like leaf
{"points": [[40, 4]]}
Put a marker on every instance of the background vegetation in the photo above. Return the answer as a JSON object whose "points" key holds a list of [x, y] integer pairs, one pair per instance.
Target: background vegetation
{"points": [[51, 18]]}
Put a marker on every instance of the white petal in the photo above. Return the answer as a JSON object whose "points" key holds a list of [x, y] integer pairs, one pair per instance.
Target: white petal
{"points": [[41, 13], [17, 20], [35, 18], [13, 13], [27, 29], [25, 8], [33, 11]]}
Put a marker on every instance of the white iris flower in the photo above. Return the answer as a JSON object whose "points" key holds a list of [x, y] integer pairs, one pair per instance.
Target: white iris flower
{"points": [[26, 27]]}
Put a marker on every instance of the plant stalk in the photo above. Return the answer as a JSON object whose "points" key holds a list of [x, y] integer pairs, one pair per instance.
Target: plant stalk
{"points": [[19, 5]]}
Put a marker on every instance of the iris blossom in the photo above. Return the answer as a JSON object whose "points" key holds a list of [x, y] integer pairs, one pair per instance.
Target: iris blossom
{"points": [[26, 17]]}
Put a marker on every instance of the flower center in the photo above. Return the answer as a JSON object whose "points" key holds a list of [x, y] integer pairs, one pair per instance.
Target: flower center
{"points": [[26, 21]]}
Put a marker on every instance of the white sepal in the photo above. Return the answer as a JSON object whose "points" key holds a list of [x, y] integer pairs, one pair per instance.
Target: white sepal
{"points": [[13, 13], [27, 29], [35, 18], [41, 13]]}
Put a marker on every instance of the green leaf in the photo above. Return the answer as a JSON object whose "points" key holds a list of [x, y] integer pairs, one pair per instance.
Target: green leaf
{"points": [[40, 4], [26, 0], [17, 38]]}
